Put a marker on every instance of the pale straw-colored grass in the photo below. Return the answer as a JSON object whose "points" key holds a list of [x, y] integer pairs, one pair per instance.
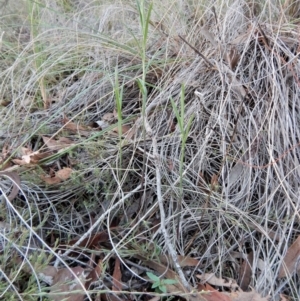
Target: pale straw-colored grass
{"points": [[239, 191]]}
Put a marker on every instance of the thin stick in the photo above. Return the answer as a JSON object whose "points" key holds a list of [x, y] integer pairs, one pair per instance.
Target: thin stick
{"points": [[197, 51], [171, 249]]}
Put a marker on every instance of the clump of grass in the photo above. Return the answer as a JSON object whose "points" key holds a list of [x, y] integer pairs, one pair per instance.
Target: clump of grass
{"points": [[227, 143]]}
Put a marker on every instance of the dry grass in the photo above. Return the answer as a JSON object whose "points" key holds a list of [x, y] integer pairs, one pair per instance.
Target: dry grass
{"points": [[235, 190]]}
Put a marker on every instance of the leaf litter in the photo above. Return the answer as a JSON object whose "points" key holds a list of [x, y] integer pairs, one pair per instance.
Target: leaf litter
{"points": [[290, 263], [60, 176], [16, 184], [231, 91], [65, 283]]}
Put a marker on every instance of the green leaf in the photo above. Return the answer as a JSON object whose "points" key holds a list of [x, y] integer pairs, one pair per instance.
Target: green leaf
{"points": [[155, 284], [153, 277], [163, 288], [169, 281]]}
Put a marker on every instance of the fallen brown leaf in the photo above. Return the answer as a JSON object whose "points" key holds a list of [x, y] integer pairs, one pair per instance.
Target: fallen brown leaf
{"points": [[245, 272], [30, 157], [109, 117], [5, 166], [184, 261], [26, 151], [93, 241], [64, 173], [213, 280], [51, 180], [66, 284], [55, 145], [16, 182], [247, 296], [60, 176], [19, 162], [95, 274], [4, 102], [125, 129], [117, 285], [288, 266], [76, 128], [212, 294]]}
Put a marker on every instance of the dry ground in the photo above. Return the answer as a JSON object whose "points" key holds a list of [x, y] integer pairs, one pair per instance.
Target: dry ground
{"points": [[149, 142]]}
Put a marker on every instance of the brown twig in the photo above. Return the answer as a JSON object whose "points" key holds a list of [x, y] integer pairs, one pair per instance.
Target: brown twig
{"points": [[197, 51], [263, 34]]}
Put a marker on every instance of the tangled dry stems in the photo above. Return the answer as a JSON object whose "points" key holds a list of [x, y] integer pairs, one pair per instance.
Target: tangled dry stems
{"points": [[240, 188]]}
